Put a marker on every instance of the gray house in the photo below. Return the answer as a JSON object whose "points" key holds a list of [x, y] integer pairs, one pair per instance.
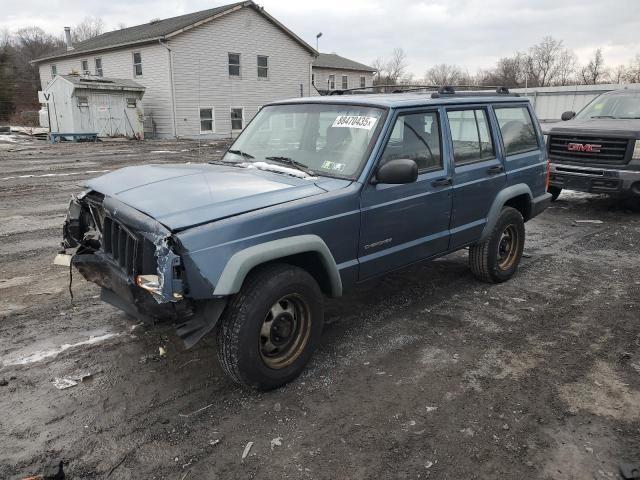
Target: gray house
{"points": [[333, 72], [206, 73]]}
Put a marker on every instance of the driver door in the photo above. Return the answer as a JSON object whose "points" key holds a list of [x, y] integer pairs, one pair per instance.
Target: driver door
{"points": [[401, 224]]}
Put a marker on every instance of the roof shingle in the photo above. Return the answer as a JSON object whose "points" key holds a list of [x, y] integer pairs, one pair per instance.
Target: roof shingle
{"points": [[331, 60]]}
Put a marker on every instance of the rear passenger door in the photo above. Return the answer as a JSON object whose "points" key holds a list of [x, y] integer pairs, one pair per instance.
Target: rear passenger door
{"points": [[522, 145], [401, 224], [478, 171]]}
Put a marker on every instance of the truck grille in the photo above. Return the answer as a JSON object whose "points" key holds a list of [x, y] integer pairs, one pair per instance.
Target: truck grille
{"points": [[121, 245], [607, 151]]}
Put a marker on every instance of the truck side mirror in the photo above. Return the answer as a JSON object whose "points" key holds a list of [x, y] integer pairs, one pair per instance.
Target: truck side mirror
{"points": [[397, 171], [568, 115]]}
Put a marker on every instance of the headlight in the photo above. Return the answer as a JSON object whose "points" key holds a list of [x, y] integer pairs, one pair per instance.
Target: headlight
{"points": [[636, 151]]}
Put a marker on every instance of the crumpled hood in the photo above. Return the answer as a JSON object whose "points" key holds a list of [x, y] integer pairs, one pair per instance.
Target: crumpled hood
{"points": [[180, 196], [626, 128]]}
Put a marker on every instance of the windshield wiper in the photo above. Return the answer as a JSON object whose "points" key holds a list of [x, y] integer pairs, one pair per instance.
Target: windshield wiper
{"points": [[295, 164], [242, 154], [603, 116], [231, 163]]}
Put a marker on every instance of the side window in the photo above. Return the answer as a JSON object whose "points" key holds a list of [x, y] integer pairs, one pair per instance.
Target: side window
{"points": [[516, 127], [470, 135], [416, 136]]}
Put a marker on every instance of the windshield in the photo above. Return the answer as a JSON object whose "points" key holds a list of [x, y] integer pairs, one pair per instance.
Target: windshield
{"points": [[320, 139], [619, 105]]}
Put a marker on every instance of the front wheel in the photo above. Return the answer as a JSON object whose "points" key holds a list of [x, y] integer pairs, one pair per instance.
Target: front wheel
{"points": [[497, 258], [271, 328]]}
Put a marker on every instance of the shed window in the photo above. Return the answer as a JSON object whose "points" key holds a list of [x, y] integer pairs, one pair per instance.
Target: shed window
{"points": [[98, 65], [206, 120], [345, 82], [332, 82], [363, 82], [84, 67], [237, 118], [131, 103], [54, 70], [263, 66], [234, 64], [83, 101], [137, 64], [313, 79]]}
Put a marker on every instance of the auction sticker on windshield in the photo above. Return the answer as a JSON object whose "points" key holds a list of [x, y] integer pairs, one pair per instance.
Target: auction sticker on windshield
{"points": [[354, 121]]}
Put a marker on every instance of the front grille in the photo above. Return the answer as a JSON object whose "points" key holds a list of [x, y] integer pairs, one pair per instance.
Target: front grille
{"points": [[121, 245], [612, 151]]}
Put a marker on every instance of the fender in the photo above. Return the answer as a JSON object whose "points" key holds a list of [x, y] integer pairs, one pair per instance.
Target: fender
{"points": [[243, 261], [503, 197]]}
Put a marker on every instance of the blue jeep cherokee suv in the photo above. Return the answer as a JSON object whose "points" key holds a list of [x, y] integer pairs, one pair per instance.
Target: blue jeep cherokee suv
{"points": [[316, 195]]}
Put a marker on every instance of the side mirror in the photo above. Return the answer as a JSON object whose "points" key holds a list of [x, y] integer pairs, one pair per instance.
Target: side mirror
{"points": [[568, 115], [400, 170]]}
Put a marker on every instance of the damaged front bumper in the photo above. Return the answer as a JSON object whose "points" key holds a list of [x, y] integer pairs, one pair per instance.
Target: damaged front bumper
{"points": [[134, 259]]}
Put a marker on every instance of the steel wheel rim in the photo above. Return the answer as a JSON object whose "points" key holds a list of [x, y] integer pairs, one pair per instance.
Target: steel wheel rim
{"points": [[285, 331], [508, 247]]}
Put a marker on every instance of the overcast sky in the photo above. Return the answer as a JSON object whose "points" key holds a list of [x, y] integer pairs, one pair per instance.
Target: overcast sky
{"points": [[469, 33]]}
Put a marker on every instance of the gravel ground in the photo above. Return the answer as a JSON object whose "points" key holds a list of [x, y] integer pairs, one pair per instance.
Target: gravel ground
{"points": [[424, 373]]}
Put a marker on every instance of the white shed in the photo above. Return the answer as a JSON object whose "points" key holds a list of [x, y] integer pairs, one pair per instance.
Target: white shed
{"points": [[108, 107]]}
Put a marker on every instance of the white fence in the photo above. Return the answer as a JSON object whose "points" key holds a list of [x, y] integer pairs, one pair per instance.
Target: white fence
{"points": [[550, 102]]}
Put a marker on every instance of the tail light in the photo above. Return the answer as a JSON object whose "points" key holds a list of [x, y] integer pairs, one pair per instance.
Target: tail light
{"points": [[547, 178]]}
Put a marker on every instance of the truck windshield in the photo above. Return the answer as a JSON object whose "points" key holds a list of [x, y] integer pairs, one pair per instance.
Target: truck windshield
{"points": [[322, 139], [618, 105]]}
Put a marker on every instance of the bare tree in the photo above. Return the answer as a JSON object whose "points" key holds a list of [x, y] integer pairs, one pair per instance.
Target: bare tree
{"points": [[567, 67], [444, 74], [397, 65], [618, 74], [632, 74], [594, 71], [89, 27], [543, 61]]}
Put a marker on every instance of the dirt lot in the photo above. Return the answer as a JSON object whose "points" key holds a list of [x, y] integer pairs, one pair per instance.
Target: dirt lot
{"points": [[424, 373]]}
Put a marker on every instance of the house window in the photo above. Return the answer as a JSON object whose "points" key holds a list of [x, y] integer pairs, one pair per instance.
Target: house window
{"points": [[137, 64], [84, 67], [206, 120], [332, 82], [131, 103], [345, 82], [83, 101], [54, 70], [263, 66], [98, 65], [363, 82], [234, 64], [237, 118]]}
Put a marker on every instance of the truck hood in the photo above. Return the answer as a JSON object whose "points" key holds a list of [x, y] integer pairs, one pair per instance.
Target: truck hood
{"points": [[181, 196], [610, 127]]}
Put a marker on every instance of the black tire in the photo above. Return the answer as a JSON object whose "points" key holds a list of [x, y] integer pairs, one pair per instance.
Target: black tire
{"points": [[253, 359], [555, 192], [493, 260]]}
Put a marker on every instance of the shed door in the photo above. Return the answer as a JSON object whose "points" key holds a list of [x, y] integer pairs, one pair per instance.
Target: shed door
{"points": [[102, 115], [118, 122]]}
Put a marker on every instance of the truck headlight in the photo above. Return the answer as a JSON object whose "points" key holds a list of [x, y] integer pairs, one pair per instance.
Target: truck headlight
{"points": [[636, 151]]}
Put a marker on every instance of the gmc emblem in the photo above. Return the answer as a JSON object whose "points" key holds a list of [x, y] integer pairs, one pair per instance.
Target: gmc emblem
{"points": [[584, 147]]}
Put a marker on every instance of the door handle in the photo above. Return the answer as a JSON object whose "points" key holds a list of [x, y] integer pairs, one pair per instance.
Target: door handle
{"points": [[495, 169], [442, 182]]}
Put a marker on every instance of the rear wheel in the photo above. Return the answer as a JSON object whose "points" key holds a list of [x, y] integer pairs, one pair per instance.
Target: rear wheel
{"points": [[554, 191], [271, 328], [497, 258]]}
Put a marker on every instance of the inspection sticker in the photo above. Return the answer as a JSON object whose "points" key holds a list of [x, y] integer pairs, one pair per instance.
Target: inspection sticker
{"points": [[338, 167], [354, 121]]}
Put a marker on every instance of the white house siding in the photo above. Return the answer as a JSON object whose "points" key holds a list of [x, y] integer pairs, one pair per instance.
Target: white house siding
{"points": [[201, 74], [322, 76], [119, 64]]}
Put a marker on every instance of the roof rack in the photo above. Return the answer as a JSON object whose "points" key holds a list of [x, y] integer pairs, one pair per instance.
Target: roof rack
{"points": [[440, 90], [449, 91]]}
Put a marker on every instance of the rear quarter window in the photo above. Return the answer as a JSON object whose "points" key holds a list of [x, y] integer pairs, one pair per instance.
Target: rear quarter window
{"points": [[517, 130]]}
